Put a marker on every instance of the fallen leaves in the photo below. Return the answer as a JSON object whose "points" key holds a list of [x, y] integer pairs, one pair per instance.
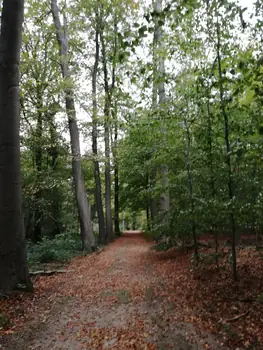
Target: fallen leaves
{"points": [[212, 301], [130, 297]]}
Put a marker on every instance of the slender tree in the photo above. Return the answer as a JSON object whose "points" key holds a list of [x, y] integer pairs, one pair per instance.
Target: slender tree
{"points": [[54, 153], [98, 196], [211, 168], [116, 175], [190, 185], [153, 173], [107, 105], [165, 197], [116, 132], [38, 164], [228, 150], [83, 204], [13, 266]]}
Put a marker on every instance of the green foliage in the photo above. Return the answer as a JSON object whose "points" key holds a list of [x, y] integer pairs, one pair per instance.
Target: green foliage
{"points": [[161, 247], [60, 249], [193, 144]]}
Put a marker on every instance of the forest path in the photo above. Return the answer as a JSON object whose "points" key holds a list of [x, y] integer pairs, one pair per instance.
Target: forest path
{"points": [[111, 300]]}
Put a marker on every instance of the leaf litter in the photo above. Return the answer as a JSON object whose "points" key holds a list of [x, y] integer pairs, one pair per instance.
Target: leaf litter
{"points": [[131, 297]]}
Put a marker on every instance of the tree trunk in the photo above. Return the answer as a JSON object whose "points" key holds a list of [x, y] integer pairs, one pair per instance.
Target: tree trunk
{"points": [[190, 187], [98, 196], [212, 175], [228, 156], [115, 143], [153, 201], [153, 173], [54, 152], [116, 182], [13, 267], [148, 202], [133, 221], [148, 218], [254, 193], [83, 204], [165, 197], [38, 164], [109, 228]]}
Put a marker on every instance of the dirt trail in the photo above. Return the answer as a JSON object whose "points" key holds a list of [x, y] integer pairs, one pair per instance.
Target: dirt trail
{"points": [[107, 301]]}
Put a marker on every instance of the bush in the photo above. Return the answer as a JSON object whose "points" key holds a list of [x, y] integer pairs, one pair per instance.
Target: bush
{"points": [[61, 249], [47, 256], [162, 247]]}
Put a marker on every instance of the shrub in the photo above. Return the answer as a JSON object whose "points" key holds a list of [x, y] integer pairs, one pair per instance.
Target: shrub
{"points": [[61, 249]]}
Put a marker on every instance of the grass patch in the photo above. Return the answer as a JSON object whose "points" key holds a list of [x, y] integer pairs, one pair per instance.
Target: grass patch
{"points": [[149, 294], [106, 293], [123, 296]]}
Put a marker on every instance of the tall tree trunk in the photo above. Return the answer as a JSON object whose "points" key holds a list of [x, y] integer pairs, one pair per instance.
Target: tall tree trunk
{"points": [[190, 187], [98, 196], [54, 153], [109, 228], [148, 218], [116, 178], [165, 197], [133, 221], [228, 156], [254, 193], [38, 164], [212, 175], [83, 204], [153, 173], [13, 266], [115, 142], [153, 205], [148, 203]]}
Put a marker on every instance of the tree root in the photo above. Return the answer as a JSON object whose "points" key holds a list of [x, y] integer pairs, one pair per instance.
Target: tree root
{"points": [[47, 273], [237, 317]]}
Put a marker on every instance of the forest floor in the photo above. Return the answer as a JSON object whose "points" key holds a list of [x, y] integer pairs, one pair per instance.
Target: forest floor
{"points": [[131, 297]]}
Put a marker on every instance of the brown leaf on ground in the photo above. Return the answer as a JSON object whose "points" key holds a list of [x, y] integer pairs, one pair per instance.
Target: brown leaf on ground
{"points": [[130, 297]]}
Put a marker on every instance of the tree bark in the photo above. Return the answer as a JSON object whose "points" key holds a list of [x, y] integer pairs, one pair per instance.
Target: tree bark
{"points": [[116, 180], [98, 196], [153, 201], [54, 153], [165, 197], [148, 218], [83, 204], [212, 175], [13, 266], [190, 187], [115, 144], [153, 173], [109, 228], [228, 156], [38, 164]]}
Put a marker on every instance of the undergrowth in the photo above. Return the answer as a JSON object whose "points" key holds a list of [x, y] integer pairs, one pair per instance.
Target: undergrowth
{"points": [[162, 247], [62, 249]]}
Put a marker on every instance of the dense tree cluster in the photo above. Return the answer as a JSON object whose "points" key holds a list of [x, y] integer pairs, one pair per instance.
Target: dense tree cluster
{"points": [[207, 131]]}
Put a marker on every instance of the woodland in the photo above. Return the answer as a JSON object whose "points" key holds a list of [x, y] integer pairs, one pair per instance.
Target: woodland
{"points": [[133, 127]]}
